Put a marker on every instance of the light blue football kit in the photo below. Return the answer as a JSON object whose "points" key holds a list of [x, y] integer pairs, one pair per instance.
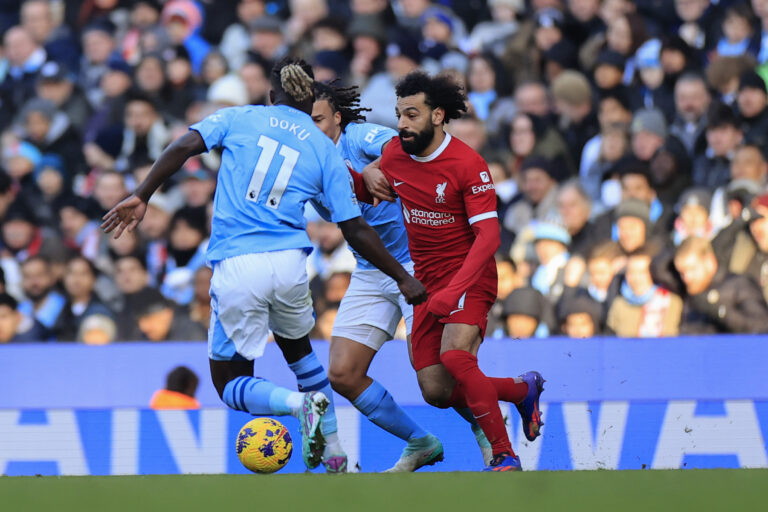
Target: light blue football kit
{"points": [[273, 160], [372, 307]]}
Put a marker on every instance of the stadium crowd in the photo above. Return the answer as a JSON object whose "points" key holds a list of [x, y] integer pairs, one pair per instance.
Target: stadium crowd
{"points": [[628, 144]]}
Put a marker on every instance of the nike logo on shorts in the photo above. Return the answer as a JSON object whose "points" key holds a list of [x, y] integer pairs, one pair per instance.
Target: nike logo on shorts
{"points": [[398, 183]]}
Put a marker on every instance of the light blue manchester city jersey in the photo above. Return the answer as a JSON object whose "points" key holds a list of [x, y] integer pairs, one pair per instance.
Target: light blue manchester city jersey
{"points": [[273, 160], [360, 144]]}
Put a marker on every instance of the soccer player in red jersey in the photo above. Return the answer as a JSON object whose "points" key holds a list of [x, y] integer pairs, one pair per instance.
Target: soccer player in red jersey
{"points": [[449, 208]]}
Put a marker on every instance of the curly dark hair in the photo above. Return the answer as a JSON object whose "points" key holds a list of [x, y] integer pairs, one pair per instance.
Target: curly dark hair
{"points": [[345, 100], [440, 91]]}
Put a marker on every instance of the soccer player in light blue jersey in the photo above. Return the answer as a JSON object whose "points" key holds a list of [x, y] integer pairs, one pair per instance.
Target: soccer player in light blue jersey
{"points": [[274, 159], [372, 306]]}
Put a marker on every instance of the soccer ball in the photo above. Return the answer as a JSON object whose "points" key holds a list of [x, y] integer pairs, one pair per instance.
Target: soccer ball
{"points": [[264, 445]]}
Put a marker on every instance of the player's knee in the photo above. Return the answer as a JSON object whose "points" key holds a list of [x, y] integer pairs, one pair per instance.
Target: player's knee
{"points": [[435, 394], [344, 379]]}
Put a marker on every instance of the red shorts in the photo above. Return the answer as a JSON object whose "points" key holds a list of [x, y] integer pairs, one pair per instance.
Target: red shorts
{"points": [[427, 333]]}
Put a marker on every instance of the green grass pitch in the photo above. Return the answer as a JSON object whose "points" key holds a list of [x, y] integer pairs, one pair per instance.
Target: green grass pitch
{"points": [[615, 491]]}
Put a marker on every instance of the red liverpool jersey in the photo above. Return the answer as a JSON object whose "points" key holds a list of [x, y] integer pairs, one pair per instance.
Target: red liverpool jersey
{"points": [[442, 195]]}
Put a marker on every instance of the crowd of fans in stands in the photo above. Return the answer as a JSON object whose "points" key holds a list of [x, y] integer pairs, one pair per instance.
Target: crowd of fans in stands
{"points": [[627, 141]]}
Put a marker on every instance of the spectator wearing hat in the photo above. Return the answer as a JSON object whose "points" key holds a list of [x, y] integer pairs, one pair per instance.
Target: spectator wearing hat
{"points": [[608, 73], [51, 180], [437, 41], [56, 84], [82, 302], [330, 65], [580, 316], [714, 300], [550, 241], [15, 327], [403, 56], [743, 247], [649, 131], [692, 100], [43, 303], [51, 131], [643, 309], [144, 133], [161, 320], [527, 314], [368, 38], [99, 47], [573, 100], [236, 40], [20, 159], [651, 91], [329, 34], [227, 91], [22, 58], [492, 35], [752, 101], [267, 38], [187, 244], [693, 215], [182, 20], [538, 199], [632, 226], [561, 56], [670, 173], [711, 168]]}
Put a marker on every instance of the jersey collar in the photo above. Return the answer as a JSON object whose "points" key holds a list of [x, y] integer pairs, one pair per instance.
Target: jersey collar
{"points": [[436, 153]]}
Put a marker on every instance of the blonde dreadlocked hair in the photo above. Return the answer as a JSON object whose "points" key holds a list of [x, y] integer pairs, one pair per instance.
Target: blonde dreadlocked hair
{"points": [[295, 80]]}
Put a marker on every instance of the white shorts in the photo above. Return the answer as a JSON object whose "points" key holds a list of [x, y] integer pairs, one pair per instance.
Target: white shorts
{"points": [[254, 293], [371, 309]]}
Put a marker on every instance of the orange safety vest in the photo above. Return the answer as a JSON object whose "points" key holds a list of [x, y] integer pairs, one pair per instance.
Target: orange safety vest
{"points": [[165, 399]]}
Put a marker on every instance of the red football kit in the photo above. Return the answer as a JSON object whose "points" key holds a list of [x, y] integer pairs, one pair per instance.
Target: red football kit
{"points": [[449, 209], [446, 196]]}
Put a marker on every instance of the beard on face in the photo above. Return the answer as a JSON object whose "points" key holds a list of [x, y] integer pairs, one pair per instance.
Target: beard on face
{"points": [[421, 140]]}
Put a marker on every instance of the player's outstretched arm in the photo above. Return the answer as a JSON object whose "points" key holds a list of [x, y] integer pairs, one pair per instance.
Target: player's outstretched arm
{"points": [[129, 212], [365, 241]]}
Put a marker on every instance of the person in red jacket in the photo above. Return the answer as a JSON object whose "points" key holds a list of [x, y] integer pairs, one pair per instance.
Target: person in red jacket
{"points": [[449, 208]]}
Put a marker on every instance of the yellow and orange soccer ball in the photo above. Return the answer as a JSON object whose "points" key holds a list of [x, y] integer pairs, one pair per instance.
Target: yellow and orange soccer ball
{"points": [[264, 445]]}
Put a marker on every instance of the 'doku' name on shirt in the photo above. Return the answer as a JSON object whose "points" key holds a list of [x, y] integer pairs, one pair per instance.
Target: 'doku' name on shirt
{"points": [[294, 128]]}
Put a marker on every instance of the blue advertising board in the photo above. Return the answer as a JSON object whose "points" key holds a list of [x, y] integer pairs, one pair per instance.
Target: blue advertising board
{"points": [[608, 404]]}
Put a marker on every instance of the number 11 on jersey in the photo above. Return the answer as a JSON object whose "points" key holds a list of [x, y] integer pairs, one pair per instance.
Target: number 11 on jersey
{"points": [[290, 156]]}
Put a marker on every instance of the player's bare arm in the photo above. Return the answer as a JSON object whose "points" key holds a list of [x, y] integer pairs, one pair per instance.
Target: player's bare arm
{"points": [[130, 211], [364, 240]]}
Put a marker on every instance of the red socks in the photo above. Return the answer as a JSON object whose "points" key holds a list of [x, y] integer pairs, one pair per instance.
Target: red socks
{"points": [[507, 390], [480, 396]]}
